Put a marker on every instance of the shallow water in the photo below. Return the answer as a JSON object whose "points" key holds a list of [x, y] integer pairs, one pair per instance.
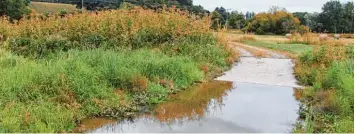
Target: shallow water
{"points": [[256, 95], [267, 71]]}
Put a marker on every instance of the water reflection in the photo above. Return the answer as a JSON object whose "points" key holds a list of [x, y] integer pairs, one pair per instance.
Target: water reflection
{"points": [[219, 106], [193, 103]]}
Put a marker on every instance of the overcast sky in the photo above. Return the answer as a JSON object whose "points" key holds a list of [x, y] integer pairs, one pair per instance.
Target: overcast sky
{"points": [[263, 5]]}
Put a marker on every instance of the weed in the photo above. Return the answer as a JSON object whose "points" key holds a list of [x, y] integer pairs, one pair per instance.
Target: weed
{"points": [[329, 70]]}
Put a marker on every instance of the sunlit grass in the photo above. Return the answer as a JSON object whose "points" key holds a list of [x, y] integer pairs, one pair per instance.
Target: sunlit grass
{"points": [[43, 7], [293, 48]]}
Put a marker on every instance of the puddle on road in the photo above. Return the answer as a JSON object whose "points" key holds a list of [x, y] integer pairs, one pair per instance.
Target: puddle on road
{"points": [[262, 71], [246, 108], [241, 105]]}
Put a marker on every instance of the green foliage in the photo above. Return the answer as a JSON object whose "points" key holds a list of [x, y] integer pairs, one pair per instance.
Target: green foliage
{"points": [[14, 9], [236, 20], [278, 22], [224, 15], [56, 90], [337, 17]]}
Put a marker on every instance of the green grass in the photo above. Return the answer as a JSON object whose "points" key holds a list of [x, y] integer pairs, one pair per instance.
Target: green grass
{"points": [[43, 7], [48, 95], [51, 92], [293, 48]]}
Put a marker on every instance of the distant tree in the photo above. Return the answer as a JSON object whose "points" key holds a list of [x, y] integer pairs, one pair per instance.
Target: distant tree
{"points": [[197, 10], [249, 15], [331, 16], [216, 20], [14, 9], [279, 22], [185, 2], [301, 16], [236, 20], [223, 12], [347, 23], [312, 21], [274, 9]]}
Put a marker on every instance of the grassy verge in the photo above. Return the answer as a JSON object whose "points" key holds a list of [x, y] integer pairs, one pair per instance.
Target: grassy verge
{"points": [[328, 101], [57, 71]]}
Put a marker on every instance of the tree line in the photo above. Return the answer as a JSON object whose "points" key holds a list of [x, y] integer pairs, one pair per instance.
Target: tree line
{"points": [[335, 17]]}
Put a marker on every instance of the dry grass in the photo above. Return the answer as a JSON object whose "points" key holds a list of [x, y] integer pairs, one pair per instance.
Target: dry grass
{"points": [[308, 38], [242, 38], [43, 7], [255, 52], [140, 82], [223, 37]]}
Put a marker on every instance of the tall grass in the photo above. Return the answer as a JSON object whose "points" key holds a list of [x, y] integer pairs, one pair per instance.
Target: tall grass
{"points": [[58, 70], [114, 29], [307, 38], [83, 84], [329, 72]]}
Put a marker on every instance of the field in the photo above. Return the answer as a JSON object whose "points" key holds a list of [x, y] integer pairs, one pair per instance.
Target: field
{"points": [[43, 7], [109, 64]]}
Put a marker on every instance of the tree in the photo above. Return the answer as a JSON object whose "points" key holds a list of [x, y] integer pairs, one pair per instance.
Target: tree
{"points": [[312, 21], [347, 23], [249, 15], [236, 20], [198, 10], [301, 16], [331, 15], [216, 20], [274, 9], [186, 2], [14, 9], [223, 12], [279, 22]]}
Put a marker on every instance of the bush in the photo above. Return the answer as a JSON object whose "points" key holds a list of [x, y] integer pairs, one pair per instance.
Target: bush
{"points": [[280, 22]]}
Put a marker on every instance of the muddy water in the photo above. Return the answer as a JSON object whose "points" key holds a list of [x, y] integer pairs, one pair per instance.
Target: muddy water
{"points": [[256, 95]]}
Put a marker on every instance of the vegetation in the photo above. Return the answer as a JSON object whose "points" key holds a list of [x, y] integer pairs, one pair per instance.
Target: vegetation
{"points": [[278, 22], [148, 4], [293, 48], [335, 18], [59, 70], [236, 20], [329, 102], [42, 7], [14, 9]]}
